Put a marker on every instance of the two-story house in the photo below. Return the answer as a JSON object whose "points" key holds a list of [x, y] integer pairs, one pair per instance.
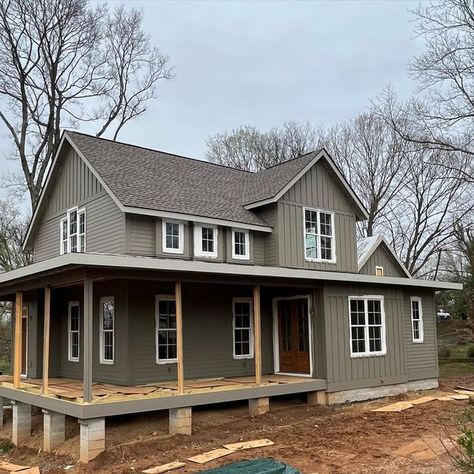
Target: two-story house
{"points": [[163, 282]]}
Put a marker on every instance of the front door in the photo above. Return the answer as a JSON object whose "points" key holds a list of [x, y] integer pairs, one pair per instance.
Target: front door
{"points": [[293, 336], [24, 342]]}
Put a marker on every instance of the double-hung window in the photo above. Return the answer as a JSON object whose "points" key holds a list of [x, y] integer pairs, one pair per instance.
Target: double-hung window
{"points": [[165, 317], [243, 328], [205, 241], [74, 319], [319, 239], [73, 231], [173, 237], [367, 326], [240, 244], [107, 329], [416, 319]]}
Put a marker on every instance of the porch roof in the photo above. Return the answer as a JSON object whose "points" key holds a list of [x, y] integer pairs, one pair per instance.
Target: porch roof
{"points": [[89, 260]]}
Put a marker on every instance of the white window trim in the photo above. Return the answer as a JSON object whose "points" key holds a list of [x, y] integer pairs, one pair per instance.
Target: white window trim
{"points": [[251, 354], [61, 240], [157, 352], [379, 268], [367, 353], [318, 259], [102, 332], [198, 252], [79, 211], [69, 345], [420, 340], [180, 248], [246, 256]]}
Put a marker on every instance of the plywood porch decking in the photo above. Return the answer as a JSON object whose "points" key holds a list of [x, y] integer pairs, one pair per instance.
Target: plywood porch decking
{"points": [[72, 389]]}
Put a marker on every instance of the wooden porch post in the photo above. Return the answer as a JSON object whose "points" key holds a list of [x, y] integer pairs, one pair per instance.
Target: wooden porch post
{"points": [[88, 334], [257, 335], [46, 333], [179, 336], [18, 340]]}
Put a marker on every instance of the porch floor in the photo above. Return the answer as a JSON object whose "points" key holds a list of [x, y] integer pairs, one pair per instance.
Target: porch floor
{"points": [[71, 389]]}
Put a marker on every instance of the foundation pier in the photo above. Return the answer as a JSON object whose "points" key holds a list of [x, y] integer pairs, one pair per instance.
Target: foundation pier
{"points": [[54, 430], [181, 421], [317, 398], [92, 438], [259, 406], [21, 422]]}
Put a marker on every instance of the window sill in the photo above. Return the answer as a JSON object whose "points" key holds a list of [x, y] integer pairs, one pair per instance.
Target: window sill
{"points": [[167, 361], [106, 362], [173, 251], [205, 255], [243, 357], [73, 360], [418, 342], [368, 354], [241, 257], [319, 260]]}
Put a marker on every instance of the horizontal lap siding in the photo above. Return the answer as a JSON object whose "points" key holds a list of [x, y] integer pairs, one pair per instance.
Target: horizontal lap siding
{"points": [[422, 358], [141, 235], [344, 372], [382, 258], [270, 215]]}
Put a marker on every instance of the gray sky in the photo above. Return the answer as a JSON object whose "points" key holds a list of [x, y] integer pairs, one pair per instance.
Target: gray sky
{"points": [[263, 63]]}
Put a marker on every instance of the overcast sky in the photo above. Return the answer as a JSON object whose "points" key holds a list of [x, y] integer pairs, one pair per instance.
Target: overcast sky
{"points": [[264, 63]]}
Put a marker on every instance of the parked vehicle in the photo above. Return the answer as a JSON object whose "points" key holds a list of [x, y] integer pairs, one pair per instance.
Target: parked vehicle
{"points": [[442, 315]]}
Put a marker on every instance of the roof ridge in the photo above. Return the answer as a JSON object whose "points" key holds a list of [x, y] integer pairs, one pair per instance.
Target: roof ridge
{"points": [[158, 151], [291, 159]]}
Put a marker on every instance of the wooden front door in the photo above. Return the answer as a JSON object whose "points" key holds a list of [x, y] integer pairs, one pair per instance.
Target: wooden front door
{"points": [[24, 342], [293, 334]]}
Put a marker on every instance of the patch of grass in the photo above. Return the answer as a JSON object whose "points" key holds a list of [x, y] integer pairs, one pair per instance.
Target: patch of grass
{"points": [[4, 366], [450, 369], [5, 446]]}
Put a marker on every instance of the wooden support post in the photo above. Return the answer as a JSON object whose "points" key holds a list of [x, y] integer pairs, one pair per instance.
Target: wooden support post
{"points": [[257, 335], [18, 340], [88, 333], [179, 336], [46, 332]]}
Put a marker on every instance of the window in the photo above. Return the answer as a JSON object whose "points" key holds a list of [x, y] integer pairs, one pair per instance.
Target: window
{"points": [[107, 329], [73, 331], [379, 271], [367, 326], [240, 245], [416, 319], [173, 237], [73, 231], [319, 236], [165, 315], [205, 241], [243, 328]]}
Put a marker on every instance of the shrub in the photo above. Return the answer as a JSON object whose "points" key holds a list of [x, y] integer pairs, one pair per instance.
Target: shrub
{"points": [[470, 351], [444, 352]]}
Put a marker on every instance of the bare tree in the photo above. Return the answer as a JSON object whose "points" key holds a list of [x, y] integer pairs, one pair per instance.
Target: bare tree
{"points": [[63, 63], [249, 149]]}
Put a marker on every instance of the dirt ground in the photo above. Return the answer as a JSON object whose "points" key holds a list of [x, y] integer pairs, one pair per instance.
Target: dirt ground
{"points": [[342, 439]]}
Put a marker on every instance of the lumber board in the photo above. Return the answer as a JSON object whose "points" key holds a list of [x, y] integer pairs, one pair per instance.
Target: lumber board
{"points": [[171, 466], [258, 443], [9, 467], [422, 400], [395, 407], [211, 455]]}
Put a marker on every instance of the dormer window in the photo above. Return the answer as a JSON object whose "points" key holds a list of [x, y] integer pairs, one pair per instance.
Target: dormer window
{"points": [[240, 244], [73, 231], [205, 241], [319, 236], [173, 237]]}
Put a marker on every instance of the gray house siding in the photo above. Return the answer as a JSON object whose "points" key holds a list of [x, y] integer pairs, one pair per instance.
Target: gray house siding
{"points": [[422, 358], [344, 372], [75, 185], [381, 257]]}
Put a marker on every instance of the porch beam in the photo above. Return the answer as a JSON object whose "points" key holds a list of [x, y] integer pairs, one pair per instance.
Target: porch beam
{"points": [[46, 334], [179, 336], [257, 335], [18, 340], [88, 334]]}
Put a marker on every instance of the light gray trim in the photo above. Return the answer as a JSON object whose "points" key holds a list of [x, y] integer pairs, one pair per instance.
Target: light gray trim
{"points": [[88, 337], [165, 264], [292, 182], [372, 249]]}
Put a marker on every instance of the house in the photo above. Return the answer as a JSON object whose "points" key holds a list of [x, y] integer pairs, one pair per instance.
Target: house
{"points": [[163, 282]]}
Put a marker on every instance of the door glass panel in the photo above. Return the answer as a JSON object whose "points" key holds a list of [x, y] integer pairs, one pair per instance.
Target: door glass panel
{"points": [[303, 327]]}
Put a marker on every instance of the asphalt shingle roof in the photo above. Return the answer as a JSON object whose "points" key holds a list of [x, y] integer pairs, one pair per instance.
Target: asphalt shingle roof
{"points": [[149, 179]]}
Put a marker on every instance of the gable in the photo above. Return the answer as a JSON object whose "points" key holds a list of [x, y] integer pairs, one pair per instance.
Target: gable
{"points": [[382, 257]]}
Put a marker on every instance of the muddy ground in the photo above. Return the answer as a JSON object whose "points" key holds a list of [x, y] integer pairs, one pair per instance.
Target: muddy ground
{"points": [[342, 439]]}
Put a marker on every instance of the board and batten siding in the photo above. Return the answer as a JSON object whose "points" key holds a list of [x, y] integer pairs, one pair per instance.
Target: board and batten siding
{"points": [[422, 358], [75, 185], [317, 189], [345, 372], [381, 258]]}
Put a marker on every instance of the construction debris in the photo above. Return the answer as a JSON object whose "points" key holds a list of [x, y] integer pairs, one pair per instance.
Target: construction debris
{"points": [[400, 406], [7, 468], [258, 443], [426, 448], [171, 466], [422, 400], [211, 455]]}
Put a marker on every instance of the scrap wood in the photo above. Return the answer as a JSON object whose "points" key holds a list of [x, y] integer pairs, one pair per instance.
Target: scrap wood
{"points": [[398, 407], [421, 400], [258, 443], [211, 455], [164, 468], [134, 390], [465, 388], [460, 396], [7, 467]]}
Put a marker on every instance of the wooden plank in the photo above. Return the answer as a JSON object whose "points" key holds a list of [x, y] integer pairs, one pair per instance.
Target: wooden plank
{"points": [[397, 407], [46, 333], [9, 467], [171, 466], [258, 443], [211, 455], [88, 334], [257, 335], [179, 336], [422, 400], [18, 340]]}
